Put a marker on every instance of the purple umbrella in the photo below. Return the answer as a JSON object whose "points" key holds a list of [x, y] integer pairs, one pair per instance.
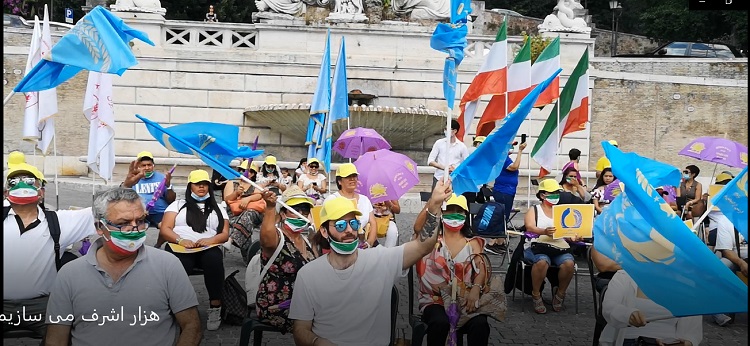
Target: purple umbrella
{"points": [[385, 175], [359, 140], [717, 150], [453, 316]]}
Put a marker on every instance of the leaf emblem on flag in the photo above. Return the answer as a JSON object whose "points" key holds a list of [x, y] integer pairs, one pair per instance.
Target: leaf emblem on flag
{"points": [[657, 250], [743, 158], [89, 36]]}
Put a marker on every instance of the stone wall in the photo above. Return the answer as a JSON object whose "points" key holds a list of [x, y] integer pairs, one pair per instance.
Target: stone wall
{"points": [[655, 107]]}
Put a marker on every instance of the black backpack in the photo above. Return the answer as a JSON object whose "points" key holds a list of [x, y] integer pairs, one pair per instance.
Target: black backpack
{"points": [[54, 232], [489, 221]]}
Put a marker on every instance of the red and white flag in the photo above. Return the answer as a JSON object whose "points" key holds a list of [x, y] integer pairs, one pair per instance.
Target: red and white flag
{"points": [[545, 65], [47, 98], [30, 130], [491, 79], [99, 110], [519, 85]]}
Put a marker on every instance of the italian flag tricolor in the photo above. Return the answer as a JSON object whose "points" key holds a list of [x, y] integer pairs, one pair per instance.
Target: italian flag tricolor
{"points": [[490, 80], [545, 65], [574, 113], [519, 85]]}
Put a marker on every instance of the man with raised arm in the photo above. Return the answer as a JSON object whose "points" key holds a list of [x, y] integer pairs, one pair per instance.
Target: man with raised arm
{"points": [[344, 297]]}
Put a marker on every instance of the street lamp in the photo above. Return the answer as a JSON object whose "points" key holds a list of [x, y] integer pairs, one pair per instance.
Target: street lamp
{"points": [[614, 5]]}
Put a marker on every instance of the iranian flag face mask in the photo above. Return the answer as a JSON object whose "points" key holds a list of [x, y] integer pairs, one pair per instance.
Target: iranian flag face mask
{"points": [[23, 193], [454, 222]]}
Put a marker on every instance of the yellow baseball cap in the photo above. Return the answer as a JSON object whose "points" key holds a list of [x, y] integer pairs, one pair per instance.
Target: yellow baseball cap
{"points": [[723, 177], [144, 154], [16, 157], [346, 169], [613, 142], [253, 166], [293, 195], [24, 167], [270, 160], [198, 175], [336, 208], [550, 185], [480, 139], [459, 201], [313, 160]]}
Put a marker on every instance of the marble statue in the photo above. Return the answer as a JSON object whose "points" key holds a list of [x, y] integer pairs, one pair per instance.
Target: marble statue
{"points": [[347, 11], [565, 19], [147, 6], [288, 7], [424, 9]]}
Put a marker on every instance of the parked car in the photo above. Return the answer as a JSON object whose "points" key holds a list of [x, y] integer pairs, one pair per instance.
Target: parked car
{"points": [[692, 50], [506, 12], [15, 21]]}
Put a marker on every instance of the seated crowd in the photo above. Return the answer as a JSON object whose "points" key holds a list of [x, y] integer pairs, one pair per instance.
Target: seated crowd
{"points": [[331, 258]]}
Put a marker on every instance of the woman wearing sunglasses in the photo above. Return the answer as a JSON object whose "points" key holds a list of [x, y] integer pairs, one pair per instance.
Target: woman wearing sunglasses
{"points": [[313, 182], [284, 230], [692, 191], [197, 222]]}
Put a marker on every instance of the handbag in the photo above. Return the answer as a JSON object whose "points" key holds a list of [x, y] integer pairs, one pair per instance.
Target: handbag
{"points": [[382, 223], [491, 300], [236, 209]]}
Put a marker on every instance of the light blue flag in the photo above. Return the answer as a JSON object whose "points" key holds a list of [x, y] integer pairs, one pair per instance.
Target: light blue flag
{"points": [[214, 141], [339, 89], [320, 105], [642, 233], [486, 162], [732, 201], [451, 39], [98, 42]]}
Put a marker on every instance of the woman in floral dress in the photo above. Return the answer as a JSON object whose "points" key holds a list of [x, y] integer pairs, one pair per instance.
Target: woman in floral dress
{"points": [[286, 230]]}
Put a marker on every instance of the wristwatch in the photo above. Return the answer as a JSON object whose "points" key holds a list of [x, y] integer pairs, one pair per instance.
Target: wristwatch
{"points": [[179, 240]]}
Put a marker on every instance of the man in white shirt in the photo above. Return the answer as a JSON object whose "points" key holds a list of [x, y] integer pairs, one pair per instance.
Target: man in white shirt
{"points": [[29, 263], [343, 298], [442, 158]]}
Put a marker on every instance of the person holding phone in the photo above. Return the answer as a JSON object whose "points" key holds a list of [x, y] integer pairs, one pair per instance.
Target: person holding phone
{"points": [[313, 182], [634, 319]]}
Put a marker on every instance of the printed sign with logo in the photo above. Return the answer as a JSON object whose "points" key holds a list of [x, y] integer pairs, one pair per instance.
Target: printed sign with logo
{"points": [[573, 219], [69, 15]]}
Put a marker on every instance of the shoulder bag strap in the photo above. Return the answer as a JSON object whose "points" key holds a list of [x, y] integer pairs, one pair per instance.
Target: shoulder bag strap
{"points": [[275, 254], [54, 230]]}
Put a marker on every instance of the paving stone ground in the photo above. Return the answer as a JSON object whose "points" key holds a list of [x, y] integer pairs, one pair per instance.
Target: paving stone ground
{"points": [[521, 327]]}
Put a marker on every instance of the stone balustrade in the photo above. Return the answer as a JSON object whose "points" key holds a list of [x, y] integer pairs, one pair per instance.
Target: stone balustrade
{"points": [[209, 35]]}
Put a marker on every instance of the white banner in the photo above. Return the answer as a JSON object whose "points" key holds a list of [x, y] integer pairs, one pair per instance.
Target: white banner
{"points": [[99, 110]]}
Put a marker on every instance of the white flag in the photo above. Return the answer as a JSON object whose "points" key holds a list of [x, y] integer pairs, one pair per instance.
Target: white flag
{"points": [[47, 98], [31, 113], [98, 109]]}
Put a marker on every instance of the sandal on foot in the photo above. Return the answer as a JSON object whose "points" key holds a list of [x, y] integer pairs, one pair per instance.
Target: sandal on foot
{"points": [[557, 302], [538, 304]]}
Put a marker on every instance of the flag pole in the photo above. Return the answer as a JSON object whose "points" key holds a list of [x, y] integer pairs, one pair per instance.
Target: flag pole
{"points": [[93, 187], [528, 159], [7, 98], [588, 155], [57, 190]]}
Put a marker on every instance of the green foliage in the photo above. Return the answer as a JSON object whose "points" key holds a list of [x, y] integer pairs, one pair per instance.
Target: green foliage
{"points": [[663, 20], [235, 11], [538, 43]]}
